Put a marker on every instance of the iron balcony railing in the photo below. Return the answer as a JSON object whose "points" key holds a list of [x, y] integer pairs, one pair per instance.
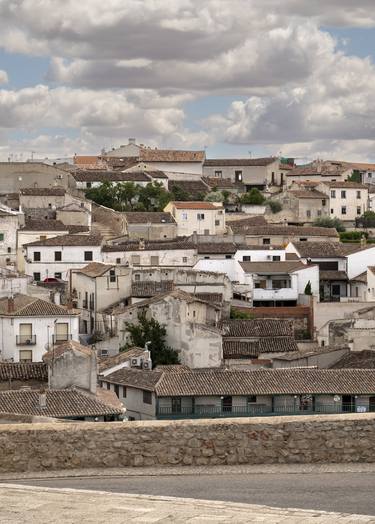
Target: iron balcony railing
{"points": [[58, 339], [256, 411], [25, 340]]}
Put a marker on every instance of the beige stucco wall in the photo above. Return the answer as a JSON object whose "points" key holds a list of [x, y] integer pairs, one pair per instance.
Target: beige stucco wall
{"points": [[188, 223], [152, 231]]}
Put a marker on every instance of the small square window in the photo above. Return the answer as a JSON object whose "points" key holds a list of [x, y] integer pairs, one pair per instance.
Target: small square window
{"points": [[200, 216], [276, 258], [184, 216], [26, 355], [112, 275], [218, 174], [88, 256], [36, 277], [266, 241], [217, 222], [58, 256], [308, 213], [303, 239], [36, 256], [118, 260], [147, 397], [343, 210], [246, 258], [228, 256], [136, 260], [184, 260], [137, 277], [333, 193], [58, 275], [343, 194]]}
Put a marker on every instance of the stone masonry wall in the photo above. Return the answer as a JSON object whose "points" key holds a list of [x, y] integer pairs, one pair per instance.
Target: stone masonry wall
{"points": [[302, 439]]}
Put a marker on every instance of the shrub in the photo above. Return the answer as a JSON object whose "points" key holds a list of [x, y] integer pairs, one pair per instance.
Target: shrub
{"points": [[275, 206], [330, 222], [253, 197]]}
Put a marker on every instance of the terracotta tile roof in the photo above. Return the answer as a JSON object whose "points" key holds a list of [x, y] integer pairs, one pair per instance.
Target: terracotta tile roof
{"points": [[330, 274], [74, 229], [85, 159], [362, 277], [216, 247], [138, 217], [110, 176], [106, 363], [257, 247], [356, 360], [346, 185], [44, 225], [266, 382], [177, 294], [215, 298], [328, 249], [277, 345], [300, 193], [69, 240], [326, 168], [63, 403], [247, 221], [260, 327], [67, 347], [136, 378], [151, 289], [156, 174], [194, 188], [150, 246], [170, 155], [95, 269], [238, 162], [240, 226], [195, 205], [23, 371], [43, 191], [121, 163], [273, 267], [240, 349], [25, 306]]}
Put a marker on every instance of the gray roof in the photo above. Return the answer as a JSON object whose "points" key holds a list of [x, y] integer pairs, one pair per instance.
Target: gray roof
{"points": [[137, 217], [151, 289], [69, 240], [356, 360], [328, 249], [279, 267], [238, 162], [151, 246], [246, 227], [260, 327]]}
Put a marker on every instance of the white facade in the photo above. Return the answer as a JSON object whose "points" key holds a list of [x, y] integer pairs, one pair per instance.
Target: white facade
{"points": [[152, 258], [10, 221], [345, 203], [200, 218], [41, 261], [260, 255], [41, 331], [357, 263]]}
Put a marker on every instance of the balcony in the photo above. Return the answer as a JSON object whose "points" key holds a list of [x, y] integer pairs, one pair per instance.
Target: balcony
{"points": [[257, 411], [59, 339], [25, 340], [284, 293]]}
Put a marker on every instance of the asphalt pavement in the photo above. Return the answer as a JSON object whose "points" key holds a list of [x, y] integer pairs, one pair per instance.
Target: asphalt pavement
{"points": [[348, 492]]}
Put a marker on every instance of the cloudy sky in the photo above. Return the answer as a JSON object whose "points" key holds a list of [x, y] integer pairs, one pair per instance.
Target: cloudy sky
{"points": [[238, 77]]}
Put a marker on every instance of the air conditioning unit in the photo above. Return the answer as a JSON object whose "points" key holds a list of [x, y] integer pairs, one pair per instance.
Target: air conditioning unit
{"points": [[28, 341], [269, 257], [103, 353], [146, 364], [134, 362], [59, 177]]}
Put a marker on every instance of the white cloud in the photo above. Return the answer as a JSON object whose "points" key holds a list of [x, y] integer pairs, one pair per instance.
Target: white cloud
{"points": [[3, 77]]}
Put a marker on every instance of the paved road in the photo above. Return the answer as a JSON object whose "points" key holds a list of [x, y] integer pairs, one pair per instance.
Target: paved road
{"points": [[341, 492]]}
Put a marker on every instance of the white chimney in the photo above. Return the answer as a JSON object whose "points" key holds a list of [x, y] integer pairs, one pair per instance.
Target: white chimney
{"points": [[43, 400]]}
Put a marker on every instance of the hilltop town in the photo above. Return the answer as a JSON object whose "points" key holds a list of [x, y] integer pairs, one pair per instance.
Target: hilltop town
{"points": [[146, 284]]}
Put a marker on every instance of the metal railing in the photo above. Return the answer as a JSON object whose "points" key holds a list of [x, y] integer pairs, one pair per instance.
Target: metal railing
{"points": [[25, 340], [261, 410]]}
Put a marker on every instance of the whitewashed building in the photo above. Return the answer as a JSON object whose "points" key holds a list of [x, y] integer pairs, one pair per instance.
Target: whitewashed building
{"points": [[202, 218], [30, 326]]}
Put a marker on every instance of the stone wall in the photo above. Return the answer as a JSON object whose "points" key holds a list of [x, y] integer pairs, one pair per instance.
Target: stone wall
{"points": [[299, 439]]}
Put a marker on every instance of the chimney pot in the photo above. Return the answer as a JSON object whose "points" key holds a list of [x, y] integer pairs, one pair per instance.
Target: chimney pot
{"points": [[10, 304]]}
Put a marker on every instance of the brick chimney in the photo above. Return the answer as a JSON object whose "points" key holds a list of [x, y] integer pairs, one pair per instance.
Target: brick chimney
{"points": [[11, 304]]}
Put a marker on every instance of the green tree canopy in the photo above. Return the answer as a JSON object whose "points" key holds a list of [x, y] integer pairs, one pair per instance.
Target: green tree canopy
{"points": [[150, 330], [253, 197], [330, 222]]}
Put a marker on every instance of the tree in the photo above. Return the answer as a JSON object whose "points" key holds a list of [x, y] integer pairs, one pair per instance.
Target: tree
{"points": [[150, 330], [180, 194], [330, 222], [355, 176], [366, 220], [308, 288], [239, 314], [253, 197], [215, 197], [153, 197], [275, 206], [103, 195]]}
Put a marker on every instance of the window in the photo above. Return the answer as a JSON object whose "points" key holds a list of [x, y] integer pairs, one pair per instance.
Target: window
{"points": [[358, 194], [112, 275], [9, 250], [26, 355], [324, 202], [124, 391], [36, 277], [36, 256], [343, 210], [343, 194], [217, 222], [58, 256], [137, 277], [319, 213], [58, 275], [251, 399], [226, 403], [117, 390], [147, 397], [358, 210], [42, 237], [88, 185], [108, 385], [207, 258], [176, 404], [276, 258], [238, 176], [118, 260], [266, 241], [308, 213], [332, 211], [333, 193], [136, 260], [369, 175], [200, 216], [184, 260], [154, 260], [246, 258], [88, 255], [228, 256], [1, 237], [303, 239], [218, 173], [356, 292], [184, 216]]}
